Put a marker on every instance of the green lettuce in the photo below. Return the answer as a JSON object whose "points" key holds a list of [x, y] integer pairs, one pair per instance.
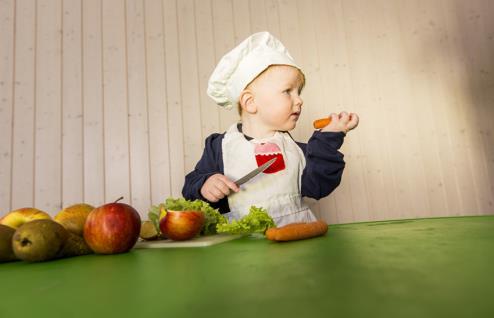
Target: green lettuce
{"points": [[154, 216], [257, 221]]}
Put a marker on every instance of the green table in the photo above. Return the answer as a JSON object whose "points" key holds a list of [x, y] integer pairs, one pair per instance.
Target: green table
{"points": [[411, 268]]}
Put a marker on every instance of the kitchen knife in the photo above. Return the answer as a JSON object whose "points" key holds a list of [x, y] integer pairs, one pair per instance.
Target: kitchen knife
{"points": [[255, 172]]}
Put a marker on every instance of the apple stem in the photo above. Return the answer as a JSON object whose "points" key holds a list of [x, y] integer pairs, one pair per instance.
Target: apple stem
{"points": [[118, 199]]}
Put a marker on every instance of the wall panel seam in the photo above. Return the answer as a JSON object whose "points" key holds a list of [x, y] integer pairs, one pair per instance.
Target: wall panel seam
{"points": [[83, 150], [103, 113], [127, 100], [61, 34], [35, 99], [146, 84], [179, 80], [14, 43]]}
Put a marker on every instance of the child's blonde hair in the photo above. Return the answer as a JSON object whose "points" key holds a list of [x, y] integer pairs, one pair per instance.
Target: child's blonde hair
{"points": [[301, 78]]}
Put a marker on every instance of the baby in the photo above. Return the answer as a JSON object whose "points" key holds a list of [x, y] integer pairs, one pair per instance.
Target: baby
{"points": [[261, 78]]}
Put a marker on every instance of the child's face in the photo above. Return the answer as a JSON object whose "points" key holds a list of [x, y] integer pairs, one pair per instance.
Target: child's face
{"points": [[277, 97]]}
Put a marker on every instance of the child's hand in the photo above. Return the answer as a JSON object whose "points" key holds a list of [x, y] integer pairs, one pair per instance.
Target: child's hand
{"points": [[342, 122], [217, 187]]}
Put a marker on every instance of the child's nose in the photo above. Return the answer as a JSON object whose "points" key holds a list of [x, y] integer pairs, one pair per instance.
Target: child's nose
{"points": [[298, 101]]}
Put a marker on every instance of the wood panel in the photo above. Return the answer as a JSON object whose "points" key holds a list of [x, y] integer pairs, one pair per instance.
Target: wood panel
{"points": [[241, 21], [159, 157], [72, 112], [223, 32], [115, 101], [48, 99], [406, 161], [350, 197], [24, 105], [206, 62], [140, 194], [174, 92], [190, 101], [102, 99], [452, 157], [475, 30], [92, 101], [289, 36], [363, 69], [333, 81], [272, 16], [424, 108], [7, 55], [257, 15]]}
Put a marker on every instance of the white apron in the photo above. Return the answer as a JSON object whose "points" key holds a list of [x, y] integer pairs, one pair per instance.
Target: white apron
{"points": [[277, 189]]}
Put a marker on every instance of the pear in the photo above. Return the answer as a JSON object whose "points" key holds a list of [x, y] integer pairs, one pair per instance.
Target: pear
{"points": [[75, 245], [6, 252], [74, 217], [44, 240], [39, 240]]}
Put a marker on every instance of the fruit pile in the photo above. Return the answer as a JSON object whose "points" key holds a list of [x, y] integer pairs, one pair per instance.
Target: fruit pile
{"points": [[32, 235]]}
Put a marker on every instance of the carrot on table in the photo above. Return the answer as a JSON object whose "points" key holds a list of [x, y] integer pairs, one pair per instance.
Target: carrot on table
{"points": [[297, 231]]}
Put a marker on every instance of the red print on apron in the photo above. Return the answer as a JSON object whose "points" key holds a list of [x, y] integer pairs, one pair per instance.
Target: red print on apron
{"points": [[267, 151]]}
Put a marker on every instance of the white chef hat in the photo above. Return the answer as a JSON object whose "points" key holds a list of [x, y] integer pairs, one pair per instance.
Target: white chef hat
{"points": [[240, 66]]}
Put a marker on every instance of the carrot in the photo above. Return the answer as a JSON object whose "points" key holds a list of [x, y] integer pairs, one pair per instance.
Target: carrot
{"points": [[297, 231], [322, 122]]}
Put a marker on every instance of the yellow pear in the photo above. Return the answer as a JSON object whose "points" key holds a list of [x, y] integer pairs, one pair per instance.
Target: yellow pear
{"points": [[74, 217], [16, 218]]}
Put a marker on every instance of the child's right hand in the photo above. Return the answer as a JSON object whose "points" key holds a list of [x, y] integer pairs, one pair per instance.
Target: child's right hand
{"points": [[217, 187]]}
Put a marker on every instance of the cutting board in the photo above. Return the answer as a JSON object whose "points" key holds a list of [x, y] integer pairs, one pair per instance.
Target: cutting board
{"points": [[195, 242]]}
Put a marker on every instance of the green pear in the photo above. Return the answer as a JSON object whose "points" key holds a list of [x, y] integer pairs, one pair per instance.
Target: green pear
{"points": [[75, 245], [6, 252], [39, 240]]}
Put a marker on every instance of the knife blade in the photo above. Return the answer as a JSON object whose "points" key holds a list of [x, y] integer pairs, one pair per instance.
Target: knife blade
{"points": [[255, 172]]}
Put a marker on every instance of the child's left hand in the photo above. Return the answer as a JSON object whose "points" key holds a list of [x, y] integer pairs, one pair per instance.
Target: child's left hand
{"points": [[343, 122]]}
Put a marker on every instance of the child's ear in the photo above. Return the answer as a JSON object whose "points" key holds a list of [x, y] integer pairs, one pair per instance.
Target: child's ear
{"points": [[247, 102]]}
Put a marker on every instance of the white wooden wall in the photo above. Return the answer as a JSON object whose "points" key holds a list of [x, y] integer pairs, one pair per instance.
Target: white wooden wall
{"points": [[100, 99]]}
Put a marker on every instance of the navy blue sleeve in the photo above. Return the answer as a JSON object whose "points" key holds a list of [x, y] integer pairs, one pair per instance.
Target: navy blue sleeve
{"points": [[324, 164], [210, 163]]}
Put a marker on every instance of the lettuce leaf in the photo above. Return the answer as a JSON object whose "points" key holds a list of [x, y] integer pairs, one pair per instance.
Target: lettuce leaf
{"points": [[154, 216], [257, 221]]}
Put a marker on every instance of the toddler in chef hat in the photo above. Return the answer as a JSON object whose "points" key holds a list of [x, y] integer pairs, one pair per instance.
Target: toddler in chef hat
{"points": [[261, 77]]}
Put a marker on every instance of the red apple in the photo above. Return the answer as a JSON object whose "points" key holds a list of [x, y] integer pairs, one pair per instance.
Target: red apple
{"points": [[182, 225], [112, 228]]}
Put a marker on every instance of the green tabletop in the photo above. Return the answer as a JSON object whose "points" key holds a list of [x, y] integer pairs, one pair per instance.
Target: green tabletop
{"points": [[411, 268]]}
